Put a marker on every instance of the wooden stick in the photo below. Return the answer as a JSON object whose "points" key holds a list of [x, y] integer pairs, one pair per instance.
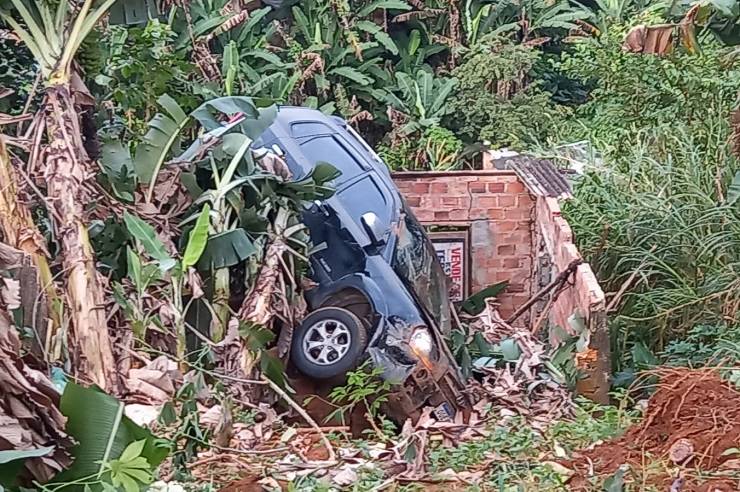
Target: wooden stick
{"points": [[561, 278], [277, 389]]}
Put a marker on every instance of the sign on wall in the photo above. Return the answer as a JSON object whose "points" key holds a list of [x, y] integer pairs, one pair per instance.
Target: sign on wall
{"points": [[452, 251]]}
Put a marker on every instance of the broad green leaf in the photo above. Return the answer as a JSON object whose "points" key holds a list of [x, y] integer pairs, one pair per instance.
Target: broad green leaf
{"points": [[209, 112], [255, 18], [407, 86], [273, 369], [147, 236], [97, 423], [133, 450], [380, 35], [226, 249], [154, 147], [442, 93], [198, 239], [425, 84], [352, 74], [476, 303], [171, 106], [414, 42], [383, 4], [134, 268], [254, 127], [22, 454]]}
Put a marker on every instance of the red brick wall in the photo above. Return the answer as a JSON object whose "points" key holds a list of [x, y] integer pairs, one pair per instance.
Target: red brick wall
{"points": [[499, 212], [584, 297]]}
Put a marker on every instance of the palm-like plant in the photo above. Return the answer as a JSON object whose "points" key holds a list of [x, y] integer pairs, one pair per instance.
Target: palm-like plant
{"points": [[421, 100], [53, 35]]}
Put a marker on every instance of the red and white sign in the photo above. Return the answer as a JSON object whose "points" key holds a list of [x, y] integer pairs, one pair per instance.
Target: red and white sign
{"points": [[451, 253]]}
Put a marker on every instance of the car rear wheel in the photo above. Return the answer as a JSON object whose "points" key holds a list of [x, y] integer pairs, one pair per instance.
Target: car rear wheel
{"points": [[328, 343]]}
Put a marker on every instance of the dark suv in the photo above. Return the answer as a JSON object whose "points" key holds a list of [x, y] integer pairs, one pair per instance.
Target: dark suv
{"points": [[381, 290]]}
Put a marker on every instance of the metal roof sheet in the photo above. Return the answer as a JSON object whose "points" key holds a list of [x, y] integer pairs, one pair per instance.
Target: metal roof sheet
{"points": [[540, 176]]}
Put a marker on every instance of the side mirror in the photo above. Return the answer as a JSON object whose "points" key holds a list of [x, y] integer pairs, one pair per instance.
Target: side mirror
{"points": [[373, 227]]}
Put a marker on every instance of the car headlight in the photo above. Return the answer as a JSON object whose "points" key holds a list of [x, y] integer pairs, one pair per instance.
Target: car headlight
{"points": [[421, 343]]}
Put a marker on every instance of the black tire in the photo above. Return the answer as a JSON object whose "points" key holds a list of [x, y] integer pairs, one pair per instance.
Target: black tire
{"points": [[336, 322]]}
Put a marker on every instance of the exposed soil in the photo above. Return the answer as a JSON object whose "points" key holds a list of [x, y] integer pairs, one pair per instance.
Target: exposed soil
{"points": [[691, 422]]}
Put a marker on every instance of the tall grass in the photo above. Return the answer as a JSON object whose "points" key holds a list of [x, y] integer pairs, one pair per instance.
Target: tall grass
{"points": [[660, 212]]}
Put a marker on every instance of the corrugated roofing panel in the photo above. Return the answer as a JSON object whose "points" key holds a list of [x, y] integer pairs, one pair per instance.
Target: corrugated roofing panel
{"points": [[540, 176]]}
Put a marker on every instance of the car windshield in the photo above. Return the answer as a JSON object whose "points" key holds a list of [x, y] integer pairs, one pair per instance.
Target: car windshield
{"points": [[415, 261]]}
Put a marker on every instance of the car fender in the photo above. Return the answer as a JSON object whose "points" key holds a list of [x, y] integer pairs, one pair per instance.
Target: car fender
{"points": [[318, 296]]}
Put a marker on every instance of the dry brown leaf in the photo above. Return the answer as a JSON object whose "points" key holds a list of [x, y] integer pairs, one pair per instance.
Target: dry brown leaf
{"points": [[11, 293]]}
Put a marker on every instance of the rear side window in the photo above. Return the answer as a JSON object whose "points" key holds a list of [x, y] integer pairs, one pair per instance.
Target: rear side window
{"points": [[327, 149], [365, 196], [308, 128]]}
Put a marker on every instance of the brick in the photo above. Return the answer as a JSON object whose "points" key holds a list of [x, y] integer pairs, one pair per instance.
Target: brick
{"points": [[506, 250], [506, 201], [478, 187], [516, 213], [515, 287], [420, 188], [524, 200], [486, 201], [439, 188], [496, 187], [516, 187], [451, 201], [511, 263], [497, 214], [459, 214], [441, 215], [478, 213], [506, 226], [413, 201]]}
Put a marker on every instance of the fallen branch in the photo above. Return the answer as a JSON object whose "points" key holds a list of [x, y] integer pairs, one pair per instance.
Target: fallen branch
{"points": [[561, 278], [324, 440]]}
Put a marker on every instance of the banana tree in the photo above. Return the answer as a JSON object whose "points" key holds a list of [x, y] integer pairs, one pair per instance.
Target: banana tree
{"points": [[422, 100], [53, 35]]}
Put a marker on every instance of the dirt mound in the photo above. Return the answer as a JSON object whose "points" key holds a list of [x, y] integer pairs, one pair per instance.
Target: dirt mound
{"points": [[691, 427]]}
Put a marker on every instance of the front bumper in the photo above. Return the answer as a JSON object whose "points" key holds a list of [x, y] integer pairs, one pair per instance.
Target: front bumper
{"points": [[435, 382]]}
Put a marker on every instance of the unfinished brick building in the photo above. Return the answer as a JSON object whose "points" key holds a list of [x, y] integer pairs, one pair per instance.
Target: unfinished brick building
{"points": [[508, 222]]}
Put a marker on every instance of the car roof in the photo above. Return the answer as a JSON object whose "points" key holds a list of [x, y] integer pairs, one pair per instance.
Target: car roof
{"points": [[296, 122]]}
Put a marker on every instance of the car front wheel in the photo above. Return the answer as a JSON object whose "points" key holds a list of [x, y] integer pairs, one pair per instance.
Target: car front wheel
{"points": [[328, 343]]}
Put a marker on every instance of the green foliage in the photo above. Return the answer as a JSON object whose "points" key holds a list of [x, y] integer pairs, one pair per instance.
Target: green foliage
{"points": [[438, 149], [364, 387], [660, 210], [422, 99], [496, 98], [593, 422], [104, 434], [634, 93], [17, 71], [141, 65], [705, 345]]}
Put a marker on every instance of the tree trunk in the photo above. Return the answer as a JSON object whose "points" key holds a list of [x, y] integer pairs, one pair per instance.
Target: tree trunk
{"points": [[18, 230], [67, 170]]}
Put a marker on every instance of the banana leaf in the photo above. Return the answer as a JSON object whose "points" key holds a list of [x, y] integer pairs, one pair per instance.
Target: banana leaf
{"points": [[226, 249], [97, 422]]}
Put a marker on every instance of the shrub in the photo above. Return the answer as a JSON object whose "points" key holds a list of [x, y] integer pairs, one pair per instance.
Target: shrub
{"points": [[666, 212], [633, 92], [496, 98]]}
